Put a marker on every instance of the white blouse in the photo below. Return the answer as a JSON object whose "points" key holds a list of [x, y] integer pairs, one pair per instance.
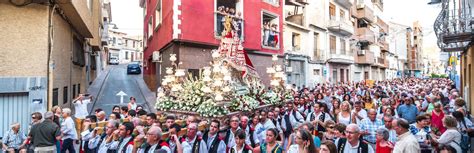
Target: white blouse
{"points": [[341, 119]]}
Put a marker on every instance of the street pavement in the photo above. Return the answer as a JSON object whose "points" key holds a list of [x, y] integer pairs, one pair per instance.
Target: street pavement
{"points": [[118, 80]]}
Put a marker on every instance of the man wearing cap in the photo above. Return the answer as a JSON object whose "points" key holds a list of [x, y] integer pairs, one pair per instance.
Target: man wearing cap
{"points": [[45, 134]]}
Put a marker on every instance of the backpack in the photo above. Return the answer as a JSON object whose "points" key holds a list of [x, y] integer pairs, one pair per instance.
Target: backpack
{"points": [[465, 143]]}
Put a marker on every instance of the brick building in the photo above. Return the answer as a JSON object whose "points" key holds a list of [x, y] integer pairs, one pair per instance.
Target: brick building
{"points": [[51, 52]]}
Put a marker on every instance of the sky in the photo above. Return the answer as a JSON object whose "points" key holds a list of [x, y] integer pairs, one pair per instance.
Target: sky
{"points": [[128, 16], [407, 11]]}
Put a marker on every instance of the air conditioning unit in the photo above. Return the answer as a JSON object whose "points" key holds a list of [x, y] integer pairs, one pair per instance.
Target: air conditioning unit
{"points": [[360, 5], [156, 57], [361, 52]]}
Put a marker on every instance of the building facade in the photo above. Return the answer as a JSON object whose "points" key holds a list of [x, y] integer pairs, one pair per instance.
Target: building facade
{"points": [[50, 54], [192, 29], [125, 48]]}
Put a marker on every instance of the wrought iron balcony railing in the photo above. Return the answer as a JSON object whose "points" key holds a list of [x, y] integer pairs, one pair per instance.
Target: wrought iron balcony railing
{"points": [[454, 25]]}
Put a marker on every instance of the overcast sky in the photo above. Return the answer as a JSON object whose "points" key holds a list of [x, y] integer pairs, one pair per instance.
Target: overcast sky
{"points": [[128, 15], [407, 11]]}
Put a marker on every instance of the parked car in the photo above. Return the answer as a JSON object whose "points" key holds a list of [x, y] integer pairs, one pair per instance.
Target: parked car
{"points": [[134, 68], [114, 61]]}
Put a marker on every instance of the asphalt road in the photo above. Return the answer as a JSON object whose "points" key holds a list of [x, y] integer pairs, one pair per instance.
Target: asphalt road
{"points": [[118, 80]]}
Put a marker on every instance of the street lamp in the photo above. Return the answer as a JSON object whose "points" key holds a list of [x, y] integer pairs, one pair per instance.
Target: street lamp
{"points": [[115, 25], [434, 2]]}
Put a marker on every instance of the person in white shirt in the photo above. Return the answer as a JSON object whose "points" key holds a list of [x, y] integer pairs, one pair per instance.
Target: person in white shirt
{"points": [[80, 106], [291, 120], [125, 143], [214, 143], [244, 125], [188, 141], [304, 143], [68, 130], [102, 141], [406, 142], [358, 113], [267, 124], [352, 143], [318, 117], [240, 146], [154, 142]]}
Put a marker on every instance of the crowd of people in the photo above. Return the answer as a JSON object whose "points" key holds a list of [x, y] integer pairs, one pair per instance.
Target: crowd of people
{"points": [[407, 115]]}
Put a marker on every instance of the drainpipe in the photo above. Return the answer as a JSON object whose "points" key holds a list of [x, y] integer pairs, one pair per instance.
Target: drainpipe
{"points": [[50, 62]]}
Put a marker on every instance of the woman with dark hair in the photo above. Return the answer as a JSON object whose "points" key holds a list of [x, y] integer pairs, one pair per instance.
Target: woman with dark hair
{"points": [[304, 143], [270, 145], [328, 147], [369, 103], [346, 97], [116, 109], [319, 97]]}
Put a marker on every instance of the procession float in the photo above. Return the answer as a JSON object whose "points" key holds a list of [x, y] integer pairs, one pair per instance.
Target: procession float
{"points": [[228, 86]]}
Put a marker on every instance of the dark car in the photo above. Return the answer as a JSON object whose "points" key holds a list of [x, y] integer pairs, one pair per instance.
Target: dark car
{"points": [[134, 68]]}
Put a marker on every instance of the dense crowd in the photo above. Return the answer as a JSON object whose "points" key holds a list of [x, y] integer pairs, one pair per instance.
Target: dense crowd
{"points": [[402, 116]]}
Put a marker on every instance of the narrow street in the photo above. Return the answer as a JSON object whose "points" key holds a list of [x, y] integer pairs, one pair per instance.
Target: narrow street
{"points": [[118, 80]]}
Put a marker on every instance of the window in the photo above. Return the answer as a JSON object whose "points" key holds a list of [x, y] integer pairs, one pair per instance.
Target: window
{"points": [[93, 62], [343, 46], [332, 11], [73, 91], [273, 2], [55, 96], [150, 27], [316, 72], [126, 55], [362, 23], [90, 4], [158, 14], [270, 30], [78, 56], [342, 15], [295, 41], [233, 7], [332, 44], [315, 45], [65, 95]]}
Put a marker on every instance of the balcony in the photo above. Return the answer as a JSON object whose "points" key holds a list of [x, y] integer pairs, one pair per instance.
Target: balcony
{"points": [[365, 34], [105, 34], [296, 19], [363, 12], [454, 26], [319, 56], [340, 57], [342, 27], [384, 46], [381, 62], [383, 26], [344, 3], [364, 57], [294, 10]]}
